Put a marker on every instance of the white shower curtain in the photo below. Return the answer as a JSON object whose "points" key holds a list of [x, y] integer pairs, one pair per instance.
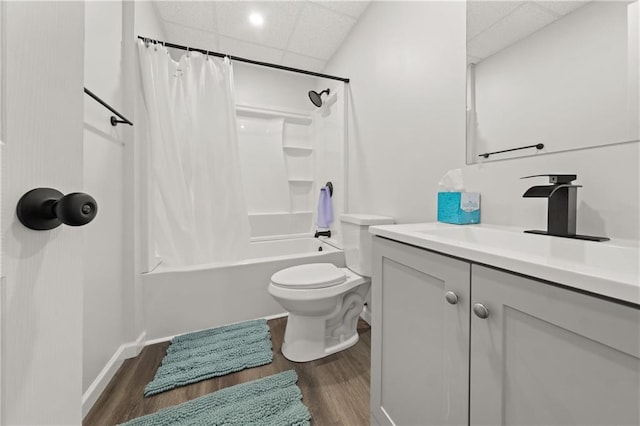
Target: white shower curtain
{"points": [[196, 205]]}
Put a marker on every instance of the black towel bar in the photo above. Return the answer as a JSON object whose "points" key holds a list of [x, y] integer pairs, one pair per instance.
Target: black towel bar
{"points": [[536, 146], [114, 120]]}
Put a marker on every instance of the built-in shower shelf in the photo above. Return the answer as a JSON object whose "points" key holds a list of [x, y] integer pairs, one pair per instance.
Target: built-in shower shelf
{"points": [[297, 149], [290, 116]]}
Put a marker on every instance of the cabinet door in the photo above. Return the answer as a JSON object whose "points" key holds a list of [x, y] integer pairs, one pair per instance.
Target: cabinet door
{"points": [[547, 355], [420, 342]]}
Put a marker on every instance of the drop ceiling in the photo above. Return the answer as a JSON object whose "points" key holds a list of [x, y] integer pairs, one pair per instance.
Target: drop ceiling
{"points": [[495, 25], [301, 34]]}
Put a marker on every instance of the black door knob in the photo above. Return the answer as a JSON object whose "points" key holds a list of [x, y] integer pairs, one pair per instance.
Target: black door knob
{"points": [[47, 208]]}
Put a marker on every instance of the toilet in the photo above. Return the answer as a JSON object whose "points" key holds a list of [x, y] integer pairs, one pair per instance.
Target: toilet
{"points": [[324, 302]]}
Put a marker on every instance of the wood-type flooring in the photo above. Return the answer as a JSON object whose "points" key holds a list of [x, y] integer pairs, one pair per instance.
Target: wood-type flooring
{"points": [[335, 388]]}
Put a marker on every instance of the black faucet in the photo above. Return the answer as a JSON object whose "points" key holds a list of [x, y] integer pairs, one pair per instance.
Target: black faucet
{"points": [[322, 234], [561, 214]]}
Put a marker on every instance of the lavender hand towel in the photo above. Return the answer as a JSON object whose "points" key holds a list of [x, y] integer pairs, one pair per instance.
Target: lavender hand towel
{"points": [[325, 209]]}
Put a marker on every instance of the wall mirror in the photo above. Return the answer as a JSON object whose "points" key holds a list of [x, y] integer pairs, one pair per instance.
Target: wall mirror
{"points": [[563, 74]]}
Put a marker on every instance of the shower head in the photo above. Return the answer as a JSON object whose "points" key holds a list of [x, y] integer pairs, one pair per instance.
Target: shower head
{"points": [[316, 98]]}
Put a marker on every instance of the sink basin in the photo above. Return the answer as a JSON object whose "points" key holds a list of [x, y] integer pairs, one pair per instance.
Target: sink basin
{"points": [[608, 268]]}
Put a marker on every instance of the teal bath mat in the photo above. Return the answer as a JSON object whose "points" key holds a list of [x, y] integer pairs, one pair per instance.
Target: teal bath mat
{"points": [[211, 353], [270, 401]]}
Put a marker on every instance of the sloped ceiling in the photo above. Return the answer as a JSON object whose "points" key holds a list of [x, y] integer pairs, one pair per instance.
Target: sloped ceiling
{"points": [[495, 25], [302, 34]]}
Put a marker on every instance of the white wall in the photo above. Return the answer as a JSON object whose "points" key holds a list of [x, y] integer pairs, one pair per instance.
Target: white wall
{"points": [[565, 85], [113, 323], [406, 62], [407, 66], [270, 88], [103, 177], [147, 21]]}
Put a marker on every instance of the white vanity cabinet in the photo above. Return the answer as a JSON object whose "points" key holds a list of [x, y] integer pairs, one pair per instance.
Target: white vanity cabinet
{"points": [[513, 350], [547, 355], [420, 341]]}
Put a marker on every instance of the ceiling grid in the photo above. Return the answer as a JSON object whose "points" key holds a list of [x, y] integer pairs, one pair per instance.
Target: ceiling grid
{"points": [[301, 34]]}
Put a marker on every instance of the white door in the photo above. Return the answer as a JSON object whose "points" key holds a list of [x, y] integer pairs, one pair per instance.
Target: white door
{"points": [[41, 293]]}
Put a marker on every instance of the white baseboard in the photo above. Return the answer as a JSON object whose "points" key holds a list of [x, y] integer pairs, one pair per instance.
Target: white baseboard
{"points": [[128, 350], [131, 350]]}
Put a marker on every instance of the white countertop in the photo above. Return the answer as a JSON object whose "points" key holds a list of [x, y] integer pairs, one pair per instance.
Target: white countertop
{"points": [[610, 268]]}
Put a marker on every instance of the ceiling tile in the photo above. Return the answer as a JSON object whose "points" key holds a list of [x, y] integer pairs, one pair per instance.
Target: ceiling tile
{"points": [[524, 21], [303, 62], [482, 14], [190, 37], [195, 14], [319, 31], [561, 7], [351, 8], [250, 50], [279, 20]]}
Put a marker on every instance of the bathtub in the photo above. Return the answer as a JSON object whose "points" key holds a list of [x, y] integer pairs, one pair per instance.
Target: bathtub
{"points": [[185, 299]]}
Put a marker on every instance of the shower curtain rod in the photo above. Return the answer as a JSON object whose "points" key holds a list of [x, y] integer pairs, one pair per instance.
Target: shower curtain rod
{"points": [[238, 58]]}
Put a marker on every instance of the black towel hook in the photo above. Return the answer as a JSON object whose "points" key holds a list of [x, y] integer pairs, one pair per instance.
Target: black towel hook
{"points": [[330, 186]]}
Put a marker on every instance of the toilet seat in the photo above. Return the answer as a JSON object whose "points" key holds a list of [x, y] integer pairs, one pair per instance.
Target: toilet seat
{"points": [[310, 276]]}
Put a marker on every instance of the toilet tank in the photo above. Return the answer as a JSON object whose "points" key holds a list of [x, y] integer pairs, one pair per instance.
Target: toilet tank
{"points": [[357, 240]]}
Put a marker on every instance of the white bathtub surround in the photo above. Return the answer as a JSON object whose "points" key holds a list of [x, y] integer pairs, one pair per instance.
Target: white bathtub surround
{"points": [[264, 173], [198, 209], [323, 301], [184, 299], [287, 155]]}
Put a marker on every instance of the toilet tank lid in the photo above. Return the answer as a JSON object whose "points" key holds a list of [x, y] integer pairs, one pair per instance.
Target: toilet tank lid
{"points": [[366, 219]]}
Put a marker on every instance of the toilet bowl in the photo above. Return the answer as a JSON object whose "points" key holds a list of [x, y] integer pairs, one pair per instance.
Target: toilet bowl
{"points": [[324, 301]]}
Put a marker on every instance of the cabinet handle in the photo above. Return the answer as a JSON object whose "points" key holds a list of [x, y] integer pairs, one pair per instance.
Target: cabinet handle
{"points": [[481, 311], [451, 297]]}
